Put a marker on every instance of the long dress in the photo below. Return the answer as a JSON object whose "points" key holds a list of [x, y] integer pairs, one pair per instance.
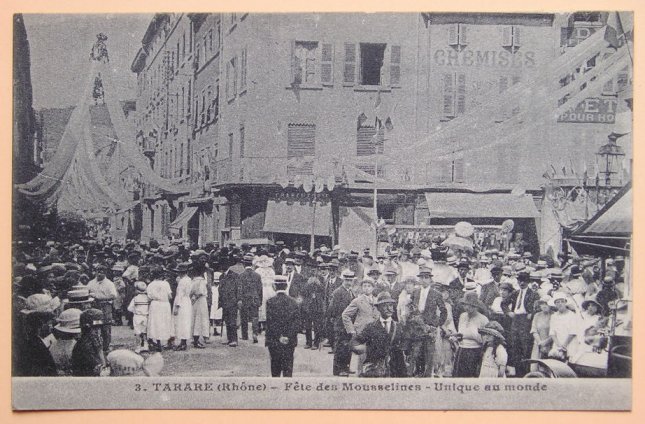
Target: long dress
{"points": [[540, 325], [267, 274], [216, 311], [200, 322], [182, 322], [491, 364], [159, 317]]}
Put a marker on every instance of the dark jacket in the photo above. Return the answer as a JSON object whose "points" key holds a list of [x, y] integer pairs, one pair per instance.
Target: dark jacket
{"points": [[282, 320], [229, 290], [277, 265], [313, 297], [489, 292], [330, 286], [381, 346], [434, 304], [508, 305], [340, 299], [297, 284], [250, 287], [34, 359], [86, 356]]}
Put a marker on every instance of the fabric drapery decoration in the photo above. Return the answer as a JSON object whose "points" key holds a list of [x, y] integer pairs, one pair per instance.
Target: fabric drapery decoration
{"points": [[296, 218]]}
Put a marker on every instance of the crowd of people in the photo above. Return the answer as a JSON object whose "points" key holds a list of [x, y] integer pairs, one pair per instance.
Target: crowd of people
{"points": [[418, 310]]}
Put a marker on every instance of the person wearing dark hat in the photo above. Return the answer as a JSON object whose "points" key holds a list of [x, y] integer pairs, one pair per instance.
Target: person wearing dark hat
{"points": [[470, 341], [495, 357], [313, 309], [295, 280], [32, 356], [230, 297], [88, 359], [331, 281], [430, 305], [340, 299], [251, 298], [104, 292], [519, 307], [607, 294], [383, 341], [282, 329]]}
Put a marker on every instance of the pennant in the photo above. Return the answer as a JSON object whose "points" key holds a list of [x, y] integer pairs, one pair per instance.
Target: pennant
{"points": [[377, 102], [388, 124], [546, 175], [614, 33], [361, 120], [564, 170], [554, 171]]}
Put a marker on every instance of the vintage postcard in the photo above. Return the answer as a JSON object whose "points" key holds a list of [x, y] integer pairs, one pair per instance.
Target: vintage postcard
{"points": [[420, 210]]}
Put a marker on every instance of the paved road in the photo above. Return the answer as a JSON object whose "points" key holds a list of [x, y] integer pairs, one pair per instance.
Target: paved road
{"points": [[246, 360]]}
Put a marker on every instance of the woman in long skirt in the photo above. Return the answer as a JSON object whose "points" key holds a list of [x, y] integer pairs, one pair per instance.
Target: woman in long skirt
{"points": [[469, 353], [216, 311], [182, 308], [159, 315], [540, 331], [200, 321], [264, 266]]}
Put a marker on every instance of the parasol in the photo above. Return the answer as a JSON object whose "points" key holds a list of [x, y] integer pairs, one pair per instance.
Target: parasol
{"points": [[458, 243]]}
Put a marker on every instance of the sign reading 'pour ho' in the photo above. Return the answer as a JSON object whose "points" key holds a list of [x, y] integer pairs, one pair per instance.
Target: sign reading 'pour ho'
{"points": [[592, 110]]}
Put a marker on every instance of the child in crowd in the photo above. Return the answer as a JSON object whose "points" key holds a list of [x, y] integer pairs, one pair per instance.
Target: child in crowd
{"points": [[139, 308]]}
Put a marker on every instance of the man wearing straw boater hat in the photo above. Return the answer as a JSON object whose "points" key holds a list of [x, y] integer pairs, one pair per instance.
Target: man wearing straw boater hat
{"points": [[340, 299]]}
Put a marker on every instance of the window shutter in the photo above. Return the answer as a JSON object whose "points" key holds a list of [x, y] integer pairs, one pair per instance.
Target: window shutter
{"points": [[364, 141], [463, 34], [448, 96], [241, 142], [228, 80], [503, 83], [461, 94], [507, 36], [516, 109], [235, 66], [327, 64], [243, 69], [458, 165], [349, 70], [301, 140], [295, 75], [395, 66], [516, 36], [453, 34]]}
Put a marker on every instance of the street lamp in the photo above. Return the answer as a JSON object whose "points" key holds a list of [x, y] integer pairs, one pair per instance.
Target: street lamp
{"points": [[610, 153]]}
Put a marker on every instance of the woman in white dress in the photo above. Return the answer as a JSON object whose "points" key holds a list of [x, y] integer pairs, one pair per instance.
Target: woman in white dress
{"points": [[182, 308], [264, 266], [216, 311], [159, 315], [200, 321]]}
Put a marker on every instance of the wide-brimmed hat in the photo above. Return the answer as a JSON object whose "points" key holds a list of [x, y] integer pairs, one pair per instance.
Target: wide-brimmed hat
{"points": [[507, 270], [40, 303], [493, 328], [470, 286], [348, 274], [558, 296], [471, 299], [384, 298], [483, 276], [78, 295], [373, 270], [556, 274], [595, 302], [424, 270], [69, 321]]}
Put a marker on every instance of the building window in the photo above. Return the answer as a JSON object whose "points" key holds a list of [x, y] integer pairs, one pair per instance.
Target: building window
{"points": [[304, 62], [454, 95], [457, 36], [301, 143], [242, 141], [511, 39], [369, 141], [210, 41], [230, 145], [231, 78], [243, 70], [371, 57]]}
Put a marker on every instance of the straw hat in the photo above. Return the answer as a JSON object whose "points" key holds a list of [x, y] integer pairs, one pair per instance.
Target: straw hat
{"points": [[42, 303], [493, 328]]}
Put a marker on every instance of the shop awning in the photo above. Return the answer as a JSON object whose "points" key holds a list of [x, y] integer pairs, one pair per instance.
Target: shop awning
{"points": [[609, 231], [183, 217], [296, 218], [480, 205]]}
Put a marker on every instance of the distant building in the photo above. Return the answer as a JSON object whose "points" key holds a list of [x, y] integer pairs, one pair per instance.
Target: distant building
{"points": [[281, 122]]}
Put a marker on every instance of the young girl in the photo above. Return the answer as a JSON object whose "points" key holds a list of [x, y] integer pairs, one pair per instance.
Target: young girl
{"points": [[138, 307], [495, 356]]}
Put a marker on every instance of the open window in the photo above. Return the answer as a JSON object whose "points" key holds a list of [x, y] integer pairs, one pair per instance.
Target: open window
{"points": [[371, 66]]}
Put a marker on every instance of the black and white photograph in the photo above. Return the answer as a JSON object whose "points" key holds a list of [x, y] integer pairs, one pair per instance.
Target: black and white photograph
{"points": [[422, 211]]}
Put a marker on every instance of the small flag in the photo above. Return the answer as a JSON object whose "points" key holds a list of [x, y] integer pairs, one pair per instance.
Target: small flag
{"points": [[554, 171], [546, 175], [361, 120], [388, 124], [377, 102], [564, 170], [614, 33]]}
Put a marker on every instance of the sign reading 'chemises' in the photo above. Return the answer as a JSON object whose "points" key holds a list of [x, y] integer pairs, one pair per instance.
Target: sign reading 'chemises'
{"points": [[592, 110]]}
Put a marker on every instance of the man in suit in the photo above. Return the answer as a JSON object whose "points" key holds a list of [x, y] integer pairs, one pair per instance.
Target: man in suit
{"points": [[429, 303], [359, 313], [295, 280], [251, 298], [383, 342], [282, 329], [313, 309], [340, 299], [230, 297], [332, 281], [489, 283], [519, 307]]}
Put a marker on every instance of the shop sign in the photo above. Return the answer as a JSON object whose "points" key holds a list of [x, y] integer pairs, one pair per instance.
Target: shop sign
{"points": [[592, 110]]}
